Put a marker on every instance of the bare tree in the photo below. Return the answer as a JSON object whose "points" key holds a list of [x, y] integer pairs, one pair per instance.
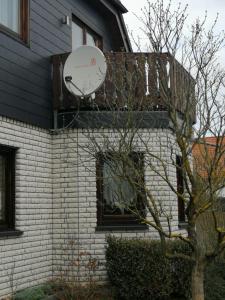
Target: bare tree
{"points": [[191, 96], [198, 54]]}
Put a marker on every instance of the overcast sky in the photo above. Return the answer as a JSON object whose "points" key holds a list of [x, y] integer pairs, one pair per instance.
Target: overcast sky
{"points": [[196, 8]]}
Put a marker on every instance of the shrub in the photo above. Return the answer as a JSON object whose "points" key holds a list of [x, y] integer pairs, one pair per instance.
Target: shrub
{"points": [[137, 269], [180, 270], [215, 280]]}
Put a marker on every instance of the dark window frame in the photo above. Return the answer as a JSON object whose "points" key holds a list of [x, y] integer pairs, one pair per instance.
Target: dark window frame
{"points": [[23, 35], [180, 189], [9, 153], [86, 29], [116, 221]]}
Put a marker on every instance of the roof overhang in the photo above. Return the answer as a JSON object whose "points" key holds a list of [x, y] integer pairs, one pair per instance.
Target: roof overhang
{"points": [[117, 9], [119, 5]]}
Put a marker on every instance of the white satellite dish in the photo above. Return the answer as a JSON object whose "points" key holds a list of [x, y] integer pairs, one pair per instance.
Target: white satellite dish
{"points": [[84, 71]]}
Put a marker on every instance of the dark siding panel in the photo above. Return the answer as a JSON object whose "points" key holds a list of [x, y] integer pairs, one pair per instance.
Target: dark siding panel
{"points": [[23, 103], [39, 66], [47, 13], [23, 84], [26, 74], [23, 95], [41, 39], [42, 26], [19, 49], [22, 114], [25, 71]]}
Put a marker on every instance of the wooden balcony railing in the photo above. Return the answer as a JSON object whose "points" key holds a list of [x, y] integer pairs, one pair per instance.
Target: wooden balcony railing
{"points": [[145, 81]]}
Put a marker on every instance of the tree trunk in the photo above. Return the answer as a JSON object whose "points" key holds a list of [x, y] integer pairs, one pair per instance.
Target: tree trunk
{"points": [[197, 282]]}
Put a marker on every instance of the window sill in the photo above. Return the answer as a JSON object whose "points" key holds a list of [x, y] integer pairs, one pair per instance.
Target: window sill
{"points": [[183, 225], [15, 36], [101, 228], [10, 233]]}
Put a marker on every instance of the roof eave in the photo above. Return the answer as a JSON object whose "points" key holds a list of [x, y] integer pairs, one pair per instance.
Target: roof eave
{"points": [[119, 6]]}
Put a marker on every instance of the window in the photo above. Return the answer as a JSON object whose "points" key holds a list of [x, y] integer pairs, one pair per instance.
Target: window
{"points": [[7, 188], [83, 35], [180, 189], [120, 189], [14, 18]]}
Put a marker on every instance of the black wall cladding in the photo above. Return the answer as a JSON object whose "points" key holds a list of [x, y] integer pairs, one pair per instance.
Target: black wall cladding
{"points": [[25, 70]]}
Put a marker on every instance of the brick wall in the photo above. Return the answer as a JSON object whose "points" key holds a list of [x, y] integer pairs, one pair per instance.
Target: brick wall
{"points": [[74, 196], [56, 202], [27, 260]]}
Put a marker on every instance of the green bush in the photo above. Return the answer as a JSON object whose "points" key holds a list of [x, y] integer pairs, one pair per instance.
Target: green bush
{"points": [[215, 280], [139, 270], [180, 270]]}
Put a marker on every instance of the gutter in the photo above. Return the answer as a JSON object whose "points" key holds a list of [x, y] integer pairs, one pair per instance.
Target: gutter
{"points": [[119, 5]]}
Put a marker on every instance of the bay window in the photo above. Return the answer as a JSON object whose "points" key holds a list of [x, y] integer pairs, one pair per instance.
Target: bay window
{"points": [[120, 196]]}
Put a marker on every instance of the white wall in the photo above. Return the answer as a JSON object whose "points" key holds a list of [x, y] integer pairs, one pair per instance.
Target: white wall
{"points": [[74, 194], [27, 260], [56, 202]]}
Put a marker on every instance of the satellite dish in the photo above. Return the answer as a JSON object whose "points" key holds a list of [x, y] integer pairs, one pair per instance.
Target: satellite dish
{"points": [[84, 71]]}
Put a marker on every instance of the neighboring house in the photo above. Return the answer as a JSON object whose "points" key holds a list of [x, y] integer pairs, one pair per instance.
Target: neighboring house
{"points": [[47, 198], [209, 160]]}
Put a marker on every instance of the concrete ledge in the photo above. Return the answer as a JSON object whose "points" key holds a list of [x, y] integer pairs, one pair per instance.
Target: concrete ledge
{"points": [[114, 119], [118, 228], [10, 233]]}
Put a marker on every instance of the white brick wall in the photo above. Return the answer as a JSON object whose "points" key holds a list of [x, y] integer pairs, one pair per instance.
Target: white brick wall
{"points": [[27, 260], [74, 193], [56, 202]]}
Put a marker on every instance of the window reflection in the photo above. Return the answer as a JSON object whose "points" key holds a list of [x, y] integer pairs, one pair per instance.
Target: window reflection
{"points": [[77, 36], [90, 40], [83, 35], [10, 14], [121, 198], [118, 193]]}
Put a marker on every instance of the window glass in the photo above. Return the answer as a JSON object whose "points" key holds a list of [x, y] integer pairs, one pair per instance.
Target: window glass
{"points": [[2, 188], [118, 193], [83, 35], [119, 189], [10, 14], [90, 41], [77, 36]]}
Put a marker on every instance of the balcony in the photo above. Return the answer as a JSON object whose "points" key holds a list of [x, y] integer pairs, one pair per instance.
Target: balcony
{"points": [[142, 81]]}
